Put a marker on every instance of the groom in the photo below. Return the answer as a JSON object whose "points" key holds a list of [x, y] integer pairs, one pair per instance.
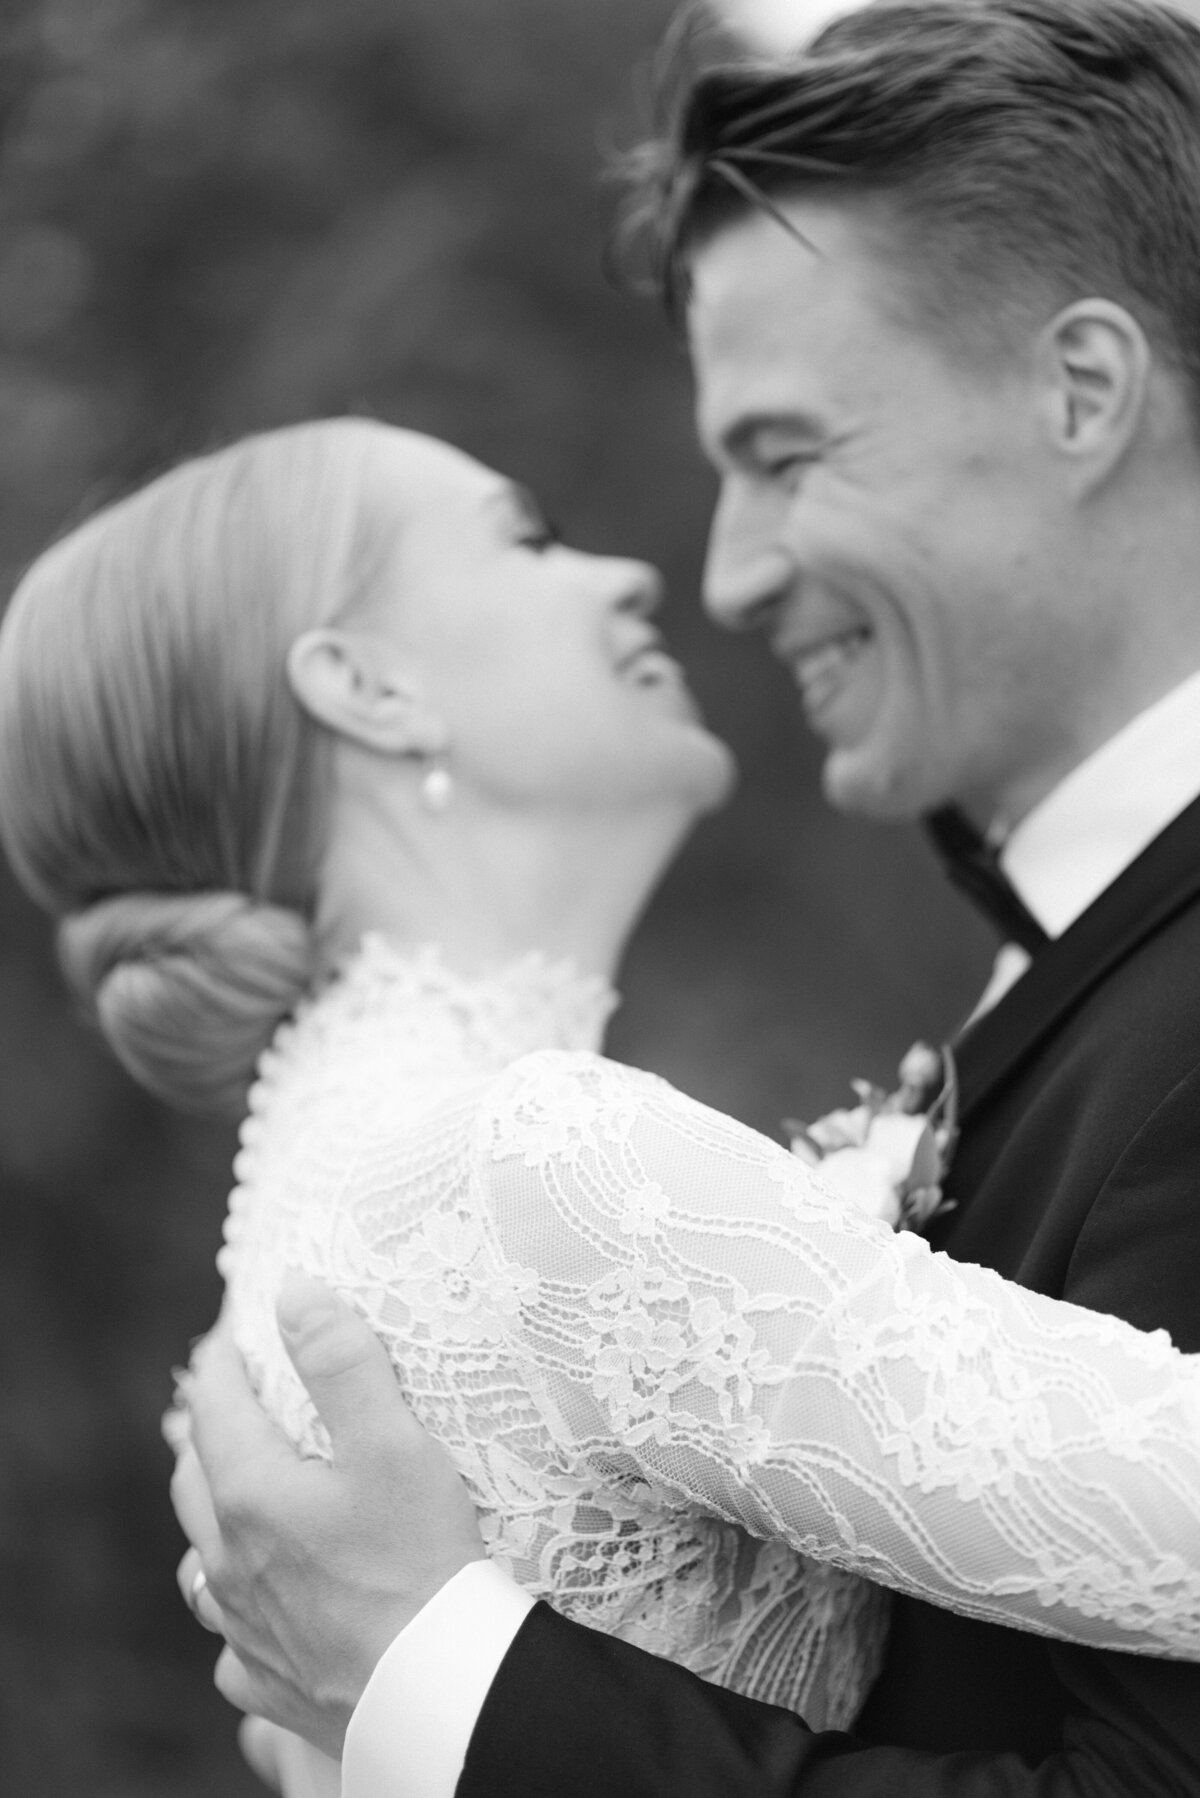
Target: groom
{"points": [[942, 283]]}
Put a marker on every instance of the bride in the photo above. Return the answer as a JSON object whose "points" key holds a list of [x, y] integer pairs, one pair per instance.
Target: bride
{"points": [[324, 743]]}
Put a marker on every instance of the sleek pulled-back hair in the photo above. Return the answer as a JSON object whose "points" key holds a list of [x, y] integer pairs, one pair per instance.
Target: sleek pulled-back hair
{"points": [[1031, 153], [161, 791]]}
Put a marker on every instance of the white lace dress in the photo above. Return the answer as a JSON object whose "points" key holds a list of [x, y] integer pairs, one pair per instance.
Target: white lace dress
{"points": [[693, 1396]]}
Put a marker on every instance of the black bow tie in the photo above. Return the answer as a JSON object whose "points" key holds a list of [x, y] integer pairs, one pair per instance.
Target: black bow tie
{"points": [[973, 866]]}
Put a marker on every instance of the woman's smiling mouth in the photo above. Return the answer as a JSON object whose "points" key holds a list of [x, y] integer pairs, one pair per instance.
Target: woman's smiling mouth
{"points": [[653, 669]]}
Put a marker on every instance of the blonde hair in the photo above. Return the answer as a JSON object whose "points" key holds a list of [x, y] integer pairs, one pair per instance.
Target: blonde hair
{"points": [[161, 790]]}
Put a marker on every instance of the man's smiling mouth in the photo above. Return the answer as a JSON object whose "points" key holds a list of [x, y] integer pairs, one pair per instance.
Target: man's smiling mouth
{"points": [[821, 669]]}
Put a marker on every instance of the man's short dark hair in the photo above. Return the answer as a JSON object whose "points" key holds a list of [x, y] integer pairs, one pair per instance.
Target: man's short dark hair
{"points": [[1033, 152]]}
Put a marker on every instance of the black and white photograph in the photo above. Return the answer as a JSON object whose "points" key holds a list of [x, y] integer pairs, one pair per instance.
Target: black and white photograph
{"points": [[600, 898]]}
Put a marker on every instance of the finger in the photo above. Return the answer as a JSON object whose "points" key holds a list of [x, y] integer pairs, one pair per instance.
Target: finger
{"points": [[196, 1596], [229, 1429], [193, 1505], [345, 1368]]}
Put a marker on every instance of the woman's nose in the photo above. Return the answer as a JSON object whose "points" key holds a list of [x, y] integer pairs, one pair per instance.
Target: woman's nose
{"points": [[638, 586]]}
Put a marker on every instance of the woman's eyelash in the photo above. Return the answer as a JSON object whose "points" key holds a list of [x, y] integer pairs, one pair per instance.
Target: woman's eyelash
{"points": [[541, 535]]}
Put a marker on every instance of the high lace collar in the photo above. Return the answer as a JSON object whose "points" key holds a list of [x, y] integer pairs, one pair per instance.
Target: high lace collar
{"points": [[413, 998]]}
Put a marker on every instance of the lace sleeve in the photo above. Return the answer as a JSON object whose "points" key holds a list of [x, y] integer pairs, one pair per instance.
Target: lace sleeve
{"points": [[697, 1313]]}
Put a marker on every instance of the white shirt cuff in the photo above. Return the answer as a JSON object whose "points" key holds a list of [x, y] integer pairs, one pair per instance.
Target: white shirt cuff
{"points": [[410, 1730]]}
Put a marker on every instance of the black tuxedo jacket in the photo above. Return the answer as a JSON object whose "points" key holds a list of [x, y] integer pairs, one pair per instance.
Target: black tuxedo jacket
{"points": [[1078, 1175]]}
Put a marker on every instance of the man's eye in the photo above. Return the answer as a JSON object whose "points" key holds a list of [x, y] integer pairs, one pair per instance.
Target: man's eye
{"points": [[789, 470]]}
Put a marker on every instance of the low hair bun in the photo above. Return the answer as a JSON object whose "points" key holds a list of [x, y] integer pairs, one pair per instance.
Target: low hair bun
{"points": [[188, 988]]}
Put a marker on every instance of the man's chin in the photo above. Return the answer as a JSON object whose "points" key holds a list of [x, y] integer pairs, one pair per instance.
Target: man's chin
{"points": [[857, 783]]}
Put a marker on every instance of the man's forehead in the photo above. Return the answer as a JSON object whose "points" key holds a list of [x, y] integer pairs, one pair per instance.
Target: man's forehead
{"points": [[787, 238], [763, 309], [757, 286], [780, 323]]}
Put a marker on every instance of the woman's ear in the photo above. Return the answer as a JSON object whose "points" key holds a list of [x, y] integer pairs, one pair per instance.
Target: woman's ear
{"points": [[1094, 367], [356, 687]]}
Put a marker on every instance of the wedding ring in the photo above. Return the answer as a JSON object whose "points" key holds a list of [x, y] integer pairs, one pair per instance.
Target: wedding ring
{"points": [[199, 1584]]}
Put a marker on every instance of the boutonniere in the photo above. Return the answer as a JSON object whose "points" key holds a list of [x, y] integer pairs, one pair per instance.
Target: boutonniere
{"points": [[889, 1154]]}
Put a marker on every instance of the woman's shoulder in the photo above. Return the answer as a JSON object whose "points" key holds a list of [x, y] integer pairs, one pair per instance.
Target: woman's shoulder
{"points": [[565, 1085], [559, 1097], [576, 1082], [560, 1102]]}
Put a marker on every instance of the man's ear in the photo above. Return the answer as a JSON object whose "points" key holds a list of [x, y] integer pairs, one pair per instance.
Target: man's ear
{"points": [[355, 686], [1094, 364]]}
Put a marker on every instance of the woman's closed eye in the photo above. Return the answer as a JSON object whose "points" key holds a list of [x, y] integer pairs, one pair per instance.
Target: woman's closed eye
{"points": [[540, 535], [531, 528]]}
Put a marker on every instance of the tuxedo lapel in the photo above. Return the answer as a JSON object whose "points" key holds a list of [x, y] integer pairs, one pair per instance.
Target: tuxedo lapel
{"points": [[1162, 882]]}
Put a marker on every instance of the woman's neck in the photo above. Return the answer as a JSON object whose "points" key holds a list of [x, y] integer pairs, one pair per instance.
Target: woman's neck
{"points": [[487, 890]]}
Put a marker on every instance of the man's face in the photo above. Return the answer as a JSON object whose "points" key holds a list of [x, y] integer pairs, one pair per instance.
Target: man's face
{"points": [[889, 515]]}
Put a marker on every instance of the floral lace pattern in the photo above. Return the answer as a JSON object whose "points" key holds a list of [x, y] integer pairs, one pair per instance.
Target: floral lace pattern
{"points": [[692, 1395]]}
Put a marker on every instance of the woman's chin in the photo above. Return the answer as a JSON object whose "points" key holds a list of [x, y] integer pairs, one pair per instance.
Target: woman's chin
{"points": [[716, 772], [703, 778]]}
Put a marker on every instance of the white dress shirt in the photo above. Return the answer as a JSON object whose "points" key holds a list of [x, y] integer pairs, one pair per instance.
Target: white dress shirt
{"points": [[408, 1737]]}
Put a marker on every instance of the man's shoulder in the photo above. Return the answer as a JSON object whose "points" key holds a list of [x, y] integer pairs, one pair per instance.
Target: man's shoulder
{"points": [[1113, 1039], [1076, 1172]]}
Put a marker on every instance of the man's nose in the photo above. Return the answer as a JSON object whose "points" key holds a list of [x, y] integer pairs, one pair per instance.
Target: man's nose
{"points": [[747, 570]]}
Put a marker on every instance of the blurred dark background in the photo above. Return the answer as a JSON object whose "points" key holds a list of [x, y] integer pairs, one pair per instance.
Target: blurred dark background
{"points": [[217, 215]]}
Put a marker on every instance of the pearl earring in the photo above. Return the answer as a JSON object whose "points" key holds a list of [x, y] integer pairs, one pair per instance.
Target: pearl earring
{"points": [[437, 789]]}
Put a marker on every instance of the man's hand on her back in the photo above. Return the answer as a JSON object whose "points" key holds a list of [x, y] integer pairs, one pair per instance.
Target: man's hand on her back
{"points": [[313, 1569]]}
